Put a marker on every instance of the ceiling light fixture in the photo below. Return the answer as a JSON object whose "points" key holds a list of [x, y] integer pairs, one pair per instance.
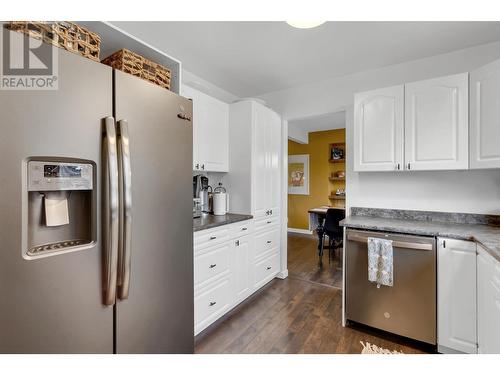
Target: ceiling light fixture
{"points": [[305, 24]]}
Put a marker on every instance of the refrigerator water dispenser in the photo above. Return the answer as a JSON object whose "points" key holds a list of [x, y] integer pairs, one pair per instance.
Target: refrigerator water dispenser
{"points": [[61, 207]]}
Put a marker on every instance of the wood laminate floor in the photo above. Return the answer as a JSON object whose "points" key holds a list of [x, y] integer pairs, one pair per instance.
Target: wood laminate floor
{"points": [[301, 314]]}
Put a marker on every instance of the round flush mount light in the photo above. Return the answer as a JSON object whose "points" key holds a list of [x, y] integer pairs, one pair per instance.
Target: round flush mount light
{"points": [[305, 24]]}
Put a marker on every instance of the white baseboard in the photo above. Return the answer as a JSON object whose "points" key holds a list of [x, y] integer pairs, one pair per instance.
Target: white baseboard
{"points": [[301, 231], [282, 274]]}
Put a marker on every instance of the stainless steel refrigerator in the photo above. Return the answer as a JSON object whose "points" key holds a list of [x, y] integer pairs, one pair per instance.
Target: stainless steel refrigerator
{"points": [[96, 215]]}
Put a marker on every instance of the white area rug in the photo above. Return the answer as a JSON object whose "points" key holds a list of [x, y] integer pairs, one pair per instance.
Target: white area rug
{"points": [[374, 349]]}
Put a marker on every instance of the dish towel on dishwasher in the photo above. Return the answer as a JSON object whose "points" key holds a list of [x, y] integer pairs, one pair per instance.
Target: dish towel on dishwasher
{"points": [[380, 261]]}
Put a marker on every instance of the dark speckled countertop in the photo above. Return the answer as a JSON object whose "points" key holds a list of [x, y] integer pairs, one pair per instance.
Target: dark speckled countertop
{"points": [[486, 235], [212, 221]]}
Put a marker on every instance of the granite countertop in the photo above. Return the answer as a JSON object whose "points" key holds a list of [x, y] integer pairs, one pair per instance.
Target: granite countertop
{"points": [[486, 235], [212, 221]]}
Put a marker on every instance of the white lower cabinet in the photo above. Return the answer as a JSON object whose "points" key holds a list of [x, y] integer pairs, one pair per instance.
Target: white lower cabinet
{"points": [[468, 298], [230, 263], [211, 303], [242, 253], [456, 296], [488, 301]]}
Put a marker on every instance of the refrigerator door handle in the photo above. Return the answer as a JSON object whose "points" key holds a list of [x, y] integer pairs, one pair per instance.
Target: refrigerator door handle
{"points": [[124, 249], [110, 207]]}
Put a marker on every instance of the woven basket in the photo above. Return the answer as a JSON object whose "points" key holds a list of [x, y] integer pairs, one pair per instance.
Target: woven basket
{"points": [[137, 65], [63, 34]]}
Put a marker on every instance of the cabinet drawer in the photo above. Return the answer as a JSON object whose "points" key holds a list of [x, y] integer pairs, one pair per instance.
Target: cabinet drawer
{"points": [[210, 237], [265, 241], [266, 269], [211, 304], [267, 222], [211, 263], [242, 229]]}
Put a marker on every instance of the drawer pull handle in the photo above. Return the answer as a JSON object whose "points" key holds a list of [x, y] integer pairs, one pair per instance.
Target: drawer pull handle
{"points": [[212, 303], [269, 241], [269, 267], [213, 237], [244, 228], [237, 242], [269, 222], [212, 266]]}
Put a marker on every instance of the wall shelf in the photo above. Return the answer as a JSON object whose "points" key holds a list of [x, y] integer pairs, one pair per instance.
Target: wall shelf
{"points": [[337, 197]]}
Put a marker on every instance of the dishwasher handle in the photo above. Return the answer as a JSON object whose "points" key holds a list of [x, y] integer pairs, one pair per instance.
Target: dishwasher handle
{"points": [[401, 244]]}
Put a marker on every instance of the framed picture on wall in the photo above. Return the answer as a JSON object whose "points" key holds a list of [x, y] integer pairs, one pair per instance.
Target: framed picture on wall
{"points": [[298, 174]]}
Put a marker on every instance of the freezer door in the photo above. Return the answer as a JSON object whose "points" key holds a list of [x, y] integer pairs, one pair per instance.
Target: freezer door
{"points": [[157, 314], [52, 304]]}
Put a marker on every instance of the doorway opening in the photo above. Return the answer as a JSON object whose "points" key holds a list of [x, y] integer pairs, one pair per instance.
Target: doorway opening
{"points": [[316, 197]]}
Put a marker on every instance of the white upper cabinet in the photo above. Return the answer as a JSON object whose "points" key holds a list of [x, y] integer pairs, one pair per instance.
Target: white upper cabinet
{"points": [[378, 129], [255, 150], [210, 132], [456, 296], [437, 123], [485, 116]]}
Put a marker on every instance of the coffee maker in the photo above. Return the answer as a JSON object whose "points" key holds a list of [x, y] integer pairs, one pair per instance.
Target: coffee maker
{"points": [[200, 192]]}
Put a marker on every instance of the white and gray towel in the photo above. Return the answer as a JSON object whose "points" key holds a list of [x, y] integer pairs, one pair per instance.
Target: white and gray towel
{"points": [[380, 261]]}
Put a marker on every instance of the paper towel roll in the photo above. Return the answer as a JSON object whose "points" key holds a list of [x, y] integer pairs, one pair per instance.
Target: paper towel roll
{"points": [[56, 208]]}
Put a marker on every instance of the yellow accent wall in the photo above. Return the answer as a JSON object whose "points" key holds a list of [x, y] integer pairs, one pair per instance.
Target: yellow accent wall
{"points": [[319, 170]]}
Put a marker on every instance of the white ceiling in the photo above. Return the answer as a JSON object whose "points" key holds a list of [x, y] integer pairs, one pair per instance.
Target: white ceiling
{"points": [[253, 58]]}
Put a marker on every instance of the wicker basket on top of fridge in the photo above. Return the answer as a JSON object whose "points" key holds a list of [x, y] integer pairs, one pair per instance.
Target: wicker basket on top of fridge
{"points": [[63, 34], [139, 66]]}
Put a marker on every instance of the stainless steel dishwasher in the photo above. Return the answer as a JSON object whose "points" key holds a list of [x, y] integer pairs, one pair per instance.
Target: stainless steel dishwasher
{"points": [[408, 308]]}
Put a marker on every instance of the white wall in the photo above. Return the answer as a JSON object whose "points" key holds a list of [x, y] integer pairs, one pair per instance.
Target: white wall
{"points": [[298, 134], [464, 191]]}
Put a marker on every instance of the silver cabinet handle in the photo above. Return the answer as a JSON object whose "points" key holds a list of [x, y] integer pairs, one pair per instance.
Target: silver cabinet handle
{"points": [[269, 241], [269, 267], [398, 167], [237, 242], [244, 228], [212, 303], [110, 214], [203, 166], [271, 211], [400, 244], [268, 222], [409, 166], [125, 228], [212, 266], [213, 237], [197, 166]]}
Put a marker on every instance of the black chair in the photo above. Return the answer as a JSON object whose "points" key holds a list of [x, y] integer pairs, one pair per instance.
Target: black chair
{"points": [[333, 230]]}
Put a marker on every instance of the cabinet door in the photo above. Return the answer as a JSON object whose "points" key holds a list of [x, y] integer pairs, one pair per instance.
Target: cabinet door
{"points": [[488, 300], [274, 162], [457, 295], [214, 135], [210, 132], [437, 123], [261, 161], [378, 129], [484, 116], [191, 94], [242, 252]]}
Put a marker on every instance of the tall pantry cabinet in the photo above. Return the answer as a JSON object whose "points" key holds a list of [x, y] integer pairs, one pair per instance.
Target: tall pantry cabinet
{"points": [[254, 182]]}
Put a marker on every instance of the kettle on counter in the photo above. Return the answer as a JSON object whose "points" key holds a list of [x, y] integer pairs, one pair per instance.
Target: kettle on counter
{"points": [[220, 198]]}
